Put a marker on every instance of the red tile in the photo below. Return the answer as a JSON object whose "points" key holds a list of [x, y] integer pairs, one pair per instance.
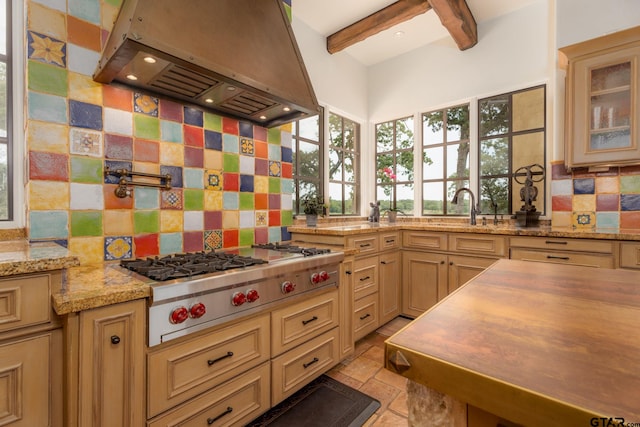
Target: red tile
{"points": [[287, 170], [229, 238], [261, 201], [230, 182], [84, 34], [146, 245], [230, 126], [261, 149], [118, 147], [212, 220], [193, 241], [146, 151], [561, 203], [193, 136], [261, 235], [607, 202], [559, 171], [118, 98], [259, 133], [274, 218], [113, 202], [48, 166], [630, 219], [193, 157], [630, 170], [169, 110]]}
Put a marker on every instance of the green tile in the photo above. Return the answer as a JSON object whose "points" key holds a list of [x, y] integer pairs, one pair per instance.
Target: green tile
{"points": [[246, 237], [86, 223], [273, 135], [212, 122], [231, 162], [246, 201], [47, 78], [193, 199], [146, 127], [115, 3], [146, 222], [86, 169], [286, 217], [274, 185], [630, 184]]}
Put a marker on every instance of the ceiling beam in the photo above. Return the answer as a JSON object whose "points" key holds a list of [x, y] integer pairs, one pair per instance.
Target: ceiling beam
{"points": [[458, 20], [394, 14]]}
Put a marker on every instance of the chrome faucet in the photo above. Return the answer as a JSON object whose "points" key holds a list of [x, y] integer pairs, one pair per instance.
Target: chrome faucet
{"points": [[474, 209]]}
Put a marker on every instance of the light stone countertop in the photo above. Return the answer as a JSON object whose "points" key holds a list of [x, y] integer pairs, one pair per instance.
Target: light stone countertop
{"points": [[21, 257]]}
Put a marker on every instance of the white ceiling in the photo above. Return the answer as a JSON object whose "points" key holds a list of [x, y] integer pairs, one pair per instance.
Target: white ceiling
{"points": [[328, 16]]}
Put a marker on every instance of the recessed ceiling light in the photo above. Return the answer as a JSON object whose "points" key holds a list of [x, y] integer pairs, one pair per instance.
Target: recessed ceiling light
{"points": [[398, 34], [209, 101], [149, 60], [132, 77], [286, 109], [263, 117], [231, 88]]}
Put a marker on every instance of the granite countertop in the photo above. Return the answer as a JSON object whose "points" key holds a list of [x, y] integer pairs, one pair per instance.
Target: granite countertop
{"points": [[21, 257]]}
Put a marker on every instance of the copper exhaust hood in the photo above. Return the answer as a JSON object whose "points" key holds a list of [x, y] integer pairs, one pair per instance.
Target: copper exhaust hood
{"points": [[235, 57]]}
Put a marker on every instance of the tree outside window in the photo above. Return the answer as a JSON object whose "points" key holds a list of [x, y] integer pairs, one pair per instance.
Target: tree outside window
{"points": [[306, 135], [344, 162]]}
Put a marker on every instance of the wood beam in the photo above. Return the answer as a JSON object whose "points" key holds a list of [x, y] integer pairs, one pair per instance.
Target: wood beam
{"points": [[394, 14], [458, 20]]}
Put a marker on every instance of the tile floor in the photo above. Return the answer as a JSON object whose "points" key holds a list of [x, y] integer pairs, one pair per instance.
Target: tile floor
{"points": [[365, 371]]}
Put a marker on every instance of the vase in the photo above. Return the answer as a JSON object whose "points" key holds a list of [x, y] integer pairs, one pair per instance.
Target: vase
{"points": [[312, 220], [393, 215]]}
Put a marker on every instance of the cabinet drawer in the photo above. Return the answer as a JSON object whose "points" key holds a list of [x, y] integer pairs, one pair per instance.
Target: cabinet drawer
{"points": [[365, 276], [25, 301], [390, 240], [582, 245], [478, 244], [572, 258], [295, 368], [424, 240], [365, 245], [235, 403], [297, 323], [187, 369], [365, 316], [630, 255]]}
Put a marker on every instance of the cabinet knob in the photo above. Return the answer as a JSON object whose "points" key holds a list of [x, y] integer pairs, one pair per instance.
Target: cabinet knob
{"points": [[348, 272], [442, 262], [115, 339], [450, 262]]}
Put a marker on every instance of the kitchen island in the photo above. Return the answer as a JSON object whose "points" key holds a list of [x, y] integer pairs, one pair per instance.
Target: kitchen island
{"points": [[533, 343]]}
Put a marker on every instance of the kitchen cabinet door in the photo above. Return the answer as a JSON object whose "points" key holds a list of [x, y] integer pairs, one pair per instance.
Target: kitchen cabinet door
{"points": [[424, 281], [390, 288]]}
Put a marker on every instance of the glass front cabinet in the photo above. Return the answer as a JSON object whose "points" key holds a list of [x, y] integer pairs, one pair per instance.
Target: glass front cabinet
{"points": [[601, 104]]}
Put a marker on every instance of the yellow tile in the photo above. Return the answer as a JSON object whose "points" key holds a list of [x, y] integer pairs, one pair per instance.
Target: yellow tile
{"points": [[561, 219], [49, 137], [90, 250], [48, 195], [607, 184], [171, 221], [212, 200], [146, 168], [47, 21], [584, 202], [83, 88], [261, 184], [230, 219], [171, 153], [109, 14], [118, 222], [212, 159]]}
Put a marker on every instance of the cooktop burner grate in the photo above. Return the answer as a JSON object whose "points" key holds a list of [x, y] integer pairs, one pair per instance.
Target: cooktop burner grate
{"points": [[292, 249]]}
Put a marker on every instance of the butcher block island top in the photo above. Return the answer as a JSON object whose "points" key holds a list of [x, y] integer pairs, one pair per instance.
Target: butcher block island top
{"points": [[534, 343]]}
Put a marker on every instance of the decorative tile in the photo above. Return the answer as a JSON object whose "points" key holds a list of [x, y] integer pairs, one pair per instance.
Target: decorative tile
{"points": [[146, 151], [261, 149], [607, 202], [584, 220], [230, 238], [170, 110], [47, 79], [83, 33], [49, 108], [212, 122], [630, 202], [213, 179], [245, 237], [171, 199], [230, 143], [146, 127], [231, 182], [607, 219], [146, 245], [48, 166], [86, 223], [146, 222], [170, 131], [87, 170], [48, 195], [171, 221], [118, 222], [246, 201], [584, 186], [84, 115], [193, 241], [193, 157], [145, 104], [212, 240], [170, 243], [193, 220], [213, 140], [274, 168], [286, 154], [246, 146], [193, 199], [193, 116], [146, 198], [85, 142], [48, 224], [118, 121], [261, 218], [117, 97], [261, 235], [246, 183], [175, 172], [212, 220], [193, 136], [118, 147], [118, 247], [46, 49]]}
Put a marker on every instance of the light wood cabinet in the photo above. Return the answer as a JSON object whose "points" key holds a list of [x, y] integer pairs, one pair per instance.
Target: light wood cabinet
{"points": [[347, 340], [584, 252], [601, 102], [365, 316], [390, 287], [630, 255], [424, 281]]}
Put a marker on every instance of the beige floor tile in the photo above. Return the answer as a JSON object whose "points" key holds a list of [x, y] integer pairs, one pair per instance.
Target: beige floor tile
{"points": [[345, 379], [395, 380], [361, 369], [399, 405], [380, 391], [389, 419], [376, 354]]}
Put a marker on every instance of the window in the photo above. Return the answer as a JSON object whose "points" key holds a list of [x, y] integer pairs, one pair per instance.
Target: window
{"points": [[6, 181], [306, 135], [512, 140], [344, 161], [394, 154], [445, 160]]}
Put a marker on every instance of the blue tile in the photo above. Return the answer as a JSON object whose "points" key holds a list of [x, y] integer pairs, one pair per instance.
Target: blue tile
{"points": [[117, 247], [584, 186], [89, 10], [607, 219], [85, 115], [275, 234], [146, 198], [630, 202], [170, 131], [193, 178], [230, 200], [287, 154], [246, 129], [114, 165], [246, 183], [49, 224], [175, 172], [170, 243], [193, 117], [286, 236], [230, 143], [48, 108], [213, 140], [46, 49]]}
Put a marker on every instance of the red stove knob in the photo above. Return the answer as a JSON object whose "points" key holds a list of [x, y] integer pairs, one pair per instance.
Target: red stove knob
{"points": [[324, 275], [238, 298], [197, 310], [252, 295], [179, 315], [287, 287], [315, 278]]}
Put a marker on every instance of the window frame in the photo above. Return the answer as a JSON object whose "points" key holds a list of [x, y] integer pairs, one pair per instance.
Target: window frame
{"points": [[355, 151], [295, 144]]}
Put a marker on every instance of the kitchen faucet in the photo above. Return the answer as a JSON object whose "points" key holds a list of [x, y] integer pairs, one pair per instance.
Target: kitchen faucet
{"points": [[474, 209]]}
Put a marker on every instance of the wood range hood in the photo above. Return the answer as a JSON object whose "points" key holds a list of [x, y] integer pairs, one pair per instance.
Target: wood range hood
{"points": [[235, 57]]}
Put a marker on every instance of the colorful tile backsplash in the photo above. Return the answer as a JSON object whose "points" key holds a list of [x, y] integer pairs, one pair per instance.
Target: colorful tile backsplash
{"points": [[231, 180]]}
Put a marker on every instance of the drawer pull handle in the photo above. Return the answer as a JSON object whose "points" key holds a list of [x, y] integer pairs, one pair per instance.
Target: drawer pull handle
{"points": [[348, 272], [390, 241], [304, 322], [212, 361], [566, 258], [552, 242], [365, 316], [362, 279], [115, 339], [213, 420], [306, 365], [365, 245]]}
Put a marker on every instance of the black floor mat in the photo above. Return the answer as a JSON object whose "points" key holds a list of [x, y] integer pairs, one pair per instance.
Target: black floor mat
{"points": [[324, 402]]}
